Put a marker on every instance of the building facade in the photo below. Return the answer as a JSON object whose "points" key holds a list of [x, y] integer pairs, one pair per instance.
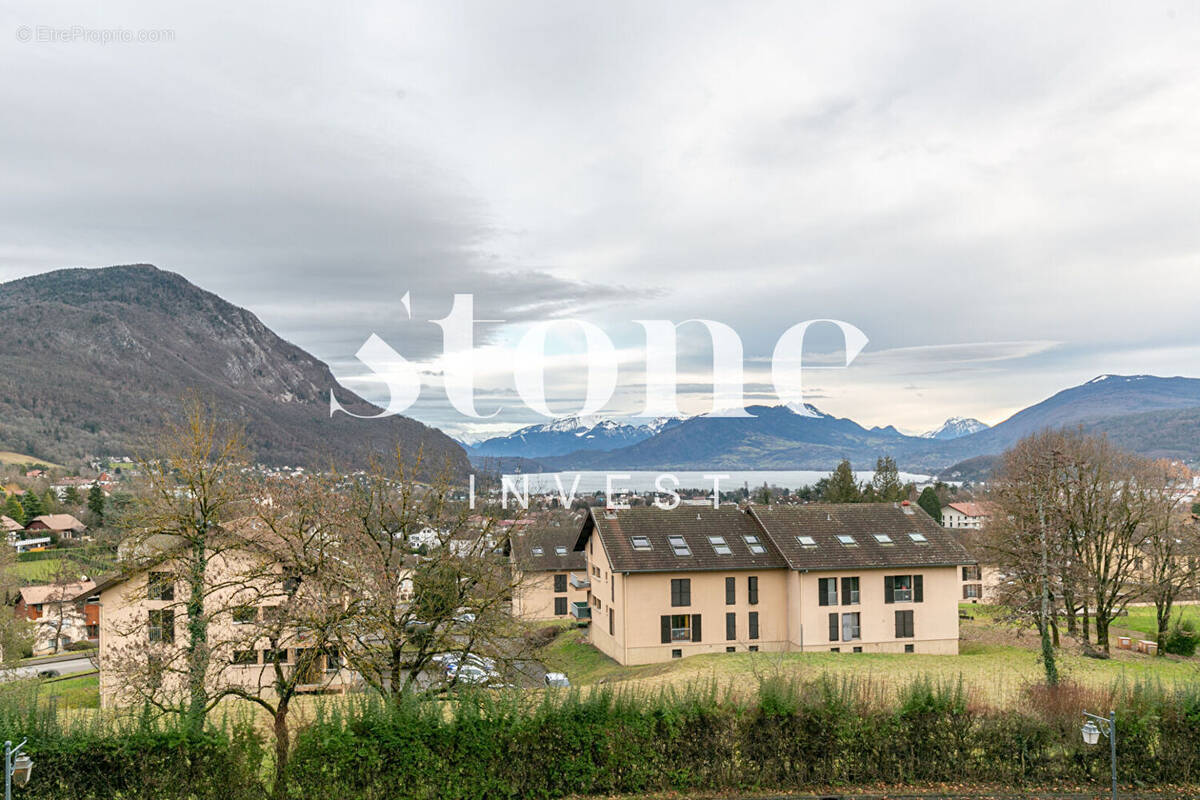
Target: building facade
{"points": [[846, 578], [550, 579]]}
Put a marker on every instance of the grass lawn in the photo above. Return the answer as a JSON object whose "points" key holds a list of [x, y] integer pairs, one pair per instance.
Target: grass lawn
{"points": [[36, 571], [9, 457], [1141, 619], [994, 663], [81, 691]]}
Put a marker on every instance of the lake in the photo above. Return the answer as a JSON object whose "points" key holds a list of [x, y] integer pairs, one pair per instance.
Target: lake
{"points": [[644, 480]]}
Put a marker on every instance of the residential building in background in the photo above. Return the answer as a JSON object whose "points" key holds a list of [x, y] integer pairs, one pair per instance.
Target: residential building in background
{"points": [[971, 515], [550, 578]]}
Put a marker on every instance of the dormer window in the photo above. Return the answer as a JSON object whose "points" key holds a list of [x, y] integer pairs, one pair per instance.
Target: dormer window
{"points": [[720, 546], [918, 538], [884, 539], [847, 540], [679, 545], [807, 542], [756, 546], [537, 551], [640, 542]]}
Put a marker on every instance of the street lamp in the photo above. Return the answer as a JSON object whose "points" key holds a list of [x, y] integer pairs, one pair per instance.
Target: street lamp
{"points": [[17, 767], [1095, 725]]}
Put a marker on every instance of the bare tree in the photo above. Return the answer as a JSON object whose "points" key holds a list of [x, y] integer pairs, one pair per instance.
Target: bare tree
{"points": [[1169, 543]]}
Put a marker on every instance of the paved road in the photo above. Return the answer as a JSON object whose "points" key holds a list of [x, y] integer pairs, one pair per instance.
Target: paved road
{"points": [[68, 664]]}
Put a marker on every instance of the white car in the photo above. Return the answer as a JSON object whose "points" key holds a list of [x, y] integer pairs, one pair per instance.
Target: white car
{"points": [[472, 674], [451, 660], [556, 679]]}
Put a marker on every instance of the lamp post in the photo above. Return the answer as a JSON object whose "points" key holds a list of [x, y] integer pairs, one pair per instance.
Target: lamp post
{"points": [[1095, 725], [17, 767]]}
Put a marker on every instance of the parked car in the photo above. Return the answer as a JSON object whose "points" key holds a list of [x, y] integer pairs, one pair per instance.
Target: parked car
{"points": [[556, 679], [465, 618], [472, 674], [451, 660], [48, 673]]}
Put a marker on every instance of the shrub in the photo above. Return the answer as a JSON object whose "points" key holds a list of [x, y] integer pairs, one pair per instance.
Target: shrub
{"points": [[1181, 639]]}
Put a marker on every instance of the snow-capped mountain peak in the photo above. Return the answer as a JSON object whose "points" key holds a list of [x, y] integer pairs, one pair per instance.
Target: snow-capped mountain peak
{"points": [[955, 427], [806, 410]]}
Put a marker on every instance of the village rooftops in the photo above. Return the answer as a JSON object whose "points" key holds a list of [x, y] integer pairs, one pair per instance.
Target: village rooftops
{"points": [[859, 535], [56, 592], [973, 509], [546, 548], [649, 539], [56, 522]]}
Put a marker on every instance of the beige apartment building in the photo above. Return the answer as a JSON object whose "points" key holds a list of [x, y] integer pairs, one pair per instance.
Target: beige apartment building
{"points": [[876, 577], [142, 615], [549, 576]]}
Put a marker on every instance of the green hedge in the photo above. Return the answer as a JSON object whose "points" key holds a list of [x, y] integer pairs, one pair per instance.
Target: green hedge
{"points": [[794, 735]]}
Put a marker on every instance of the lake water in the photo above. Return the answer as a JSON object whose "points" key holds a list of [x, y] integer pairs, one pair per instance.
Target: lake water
{"points": [[644, 480]]}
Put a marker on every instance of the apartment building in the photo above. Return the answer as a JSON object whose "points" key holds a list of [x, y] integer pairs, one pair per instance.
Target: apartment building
{"points": [[877, 577], [549, 577], [969, 515]]}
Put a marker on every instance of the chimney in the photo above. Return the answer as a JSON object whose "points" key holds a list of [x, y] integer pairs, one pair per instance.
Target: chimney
{"points": [[907, 506]]}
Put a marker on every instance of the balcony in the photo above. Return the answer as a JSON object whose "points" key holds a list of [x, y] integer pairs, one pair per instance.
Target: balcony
{"points": [[580, 581], [581, 610]]}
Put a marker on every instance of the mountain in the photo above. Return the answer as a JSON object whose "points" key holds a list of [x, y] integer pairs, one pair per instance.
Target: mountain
{"points": [[1144, 413], [93, 360], [955, 427], [568, 435], [775, 437]]}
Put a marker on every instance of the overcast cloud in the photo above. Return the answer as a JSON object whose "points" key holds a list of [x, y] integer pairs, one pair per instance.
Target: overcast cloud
{"points": [[1004, 200]]}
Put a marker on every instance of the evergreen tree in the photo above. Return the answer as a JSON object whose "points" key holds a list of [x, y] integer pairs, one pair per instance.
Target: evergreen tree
{"points": [[886, 483], [71, 496], [14, 510], [842, 487], [95, 502], [32, 505], [929, 501]]}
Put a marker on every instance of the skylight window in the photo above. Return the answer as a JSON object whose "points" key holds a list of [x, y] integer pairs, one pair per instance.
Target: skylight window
{"points": [[560, 550], [537, 551], [918, 538], [640, 542], [755, 545], [720, 546], [807, 542], [679, 545], [847, 540], [883, 539]]}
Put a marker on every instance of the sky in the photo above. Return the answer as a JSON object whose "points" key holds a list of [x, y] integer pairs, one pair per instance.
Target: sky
{"points": [[1005, 200]]}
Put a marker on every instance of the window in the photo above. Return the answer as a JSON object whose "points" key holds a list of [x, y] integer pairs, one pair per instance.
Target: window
{"points": [[291, 584], [835, 649], [681, 592], [611, 626], [719, 546], [560, 583], [827, 591], [676, 654], [753, 626], [752, 589], [857, 649], [160, 586], [679, 545], [640, 542], [755, 545], [908, 648], [680, 628], [730, 649], [162, 625], [833, 627], [271, 656], [884, 539], [244, 657], [904, 624], [851, 630], [753, 648], [333, 659], [537, 551], [972, 591], [730, 591], [730, 626], [849, 591], [970, 572], [847, 540], [560, 551], [243, 615], [918, 538], [903, 589], [807, 542], [560, 606]]}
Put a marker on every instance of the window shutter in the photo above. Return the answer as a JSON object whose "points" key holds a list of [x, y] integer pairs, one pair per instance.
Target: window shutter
{"points": [[686, 591], [730, 591], [695, 627], [899, 624], [753, 624], [665, 619], [730, 626], [752, 589], [833, 627], [889, 588], [918, 588]]}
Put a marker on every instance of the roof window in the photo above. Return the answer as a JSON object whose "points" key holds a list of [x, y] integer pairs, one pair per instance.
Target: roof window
{"points": [[679, 545], [756, 546], [720, 546], [640, 542]]}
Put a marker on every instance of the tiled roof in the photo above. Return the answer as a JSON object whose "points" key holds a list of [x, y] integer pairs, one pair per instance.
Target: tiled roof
{"points": [[60, 522], [617, 529], [972, 509], [863, 522], [56, 592], [549, 539], [10, 524]]}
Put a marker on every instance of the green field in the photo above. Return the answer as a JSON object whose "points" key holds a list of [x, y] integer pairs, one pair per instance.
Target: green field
{"points": [[36, 571], [74, 692], [1141, 619], [9, 457]]}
